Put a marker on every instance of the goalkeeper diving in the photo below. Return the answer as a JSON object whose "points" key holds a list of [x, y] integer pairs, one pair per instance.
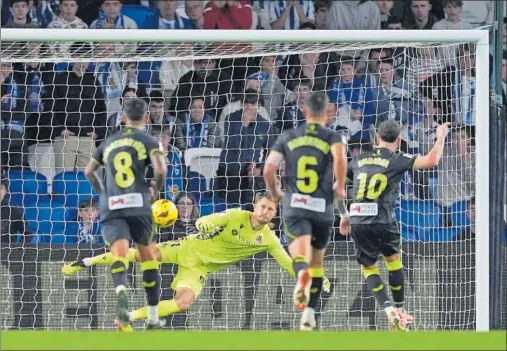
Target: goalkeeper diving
{"points": [[224, 239]]}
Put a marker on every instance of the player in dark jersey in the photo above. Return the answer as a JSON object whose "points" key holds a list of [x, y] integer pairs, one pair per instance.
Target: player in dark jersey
{"points": [[377, 176], [125, 204], [314, 156]]}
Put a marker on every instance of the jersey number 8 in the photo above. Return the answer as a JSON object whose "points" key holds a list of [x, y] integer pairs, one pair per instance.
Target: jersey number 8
{"points": [[124, 175], [376, 186], [308, 179]]}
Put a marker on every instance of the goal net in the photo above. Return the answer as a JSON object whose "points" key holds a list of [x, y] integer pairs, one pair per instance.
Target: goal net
{"points": [[217, 105]]}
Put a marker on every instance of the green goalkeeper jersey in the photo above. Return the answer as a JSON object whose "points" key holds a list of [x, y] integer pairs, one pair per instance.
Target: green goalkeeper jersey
{"points": [[232, 239]]}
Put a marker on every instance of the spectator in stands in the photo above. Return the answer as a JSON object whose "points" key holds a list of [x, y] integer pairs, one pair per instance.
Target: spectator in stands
{"points": [[456, 171], [166, 17], [236, 104], [196, 128], [156, 110], [188, 212], [452, 9], [320, 68], [110, 17], [12, 222], [468, 233], [195, 12], [247, 135], [384, 7], [291, 115], [66, 20], [42, 12], [19, 10], [394, 22], [115, 120], [80, 115], [261, 9], [222, 14], [423, 65], [290, 14], [86, 228], [272, 89], [370, 71], [204, 80], [172, 71], [349, 92], [420, 16], [354, 14], [322, 13], [478, 13]]}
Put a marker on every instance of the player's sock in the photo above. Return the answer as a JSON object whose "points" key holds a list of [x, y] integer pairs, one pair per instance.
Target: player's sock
{"points": [[299, 263], [119, 268], [316, 288], [151, 283], [165, 308], [377, 288], [396, 283]]}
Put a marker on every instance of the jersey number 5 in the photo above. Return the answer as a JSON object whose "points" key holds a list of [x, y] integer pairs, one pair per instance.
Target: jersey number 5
{"points": [[308, 179], [376, 186], [122, 163]]}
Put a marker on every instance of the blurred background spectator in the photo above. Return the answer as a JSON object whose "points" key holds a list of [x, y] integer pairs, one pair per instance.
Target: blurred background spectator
{"points": [[86, 228], [11, 219], [188, 212]]}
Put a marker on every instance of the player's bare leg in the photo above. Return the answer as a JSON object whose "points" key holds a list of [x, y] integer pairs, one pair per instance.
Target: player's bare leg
{"points": [[151, 282], [301, 252], [119, 267], [397, 284], [316, 270], [182, 301]]}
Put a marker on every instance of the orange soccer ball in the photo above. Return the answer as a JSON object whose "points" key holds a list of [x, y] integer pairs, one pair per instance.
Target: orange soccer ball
{"points": [[164, 213]]}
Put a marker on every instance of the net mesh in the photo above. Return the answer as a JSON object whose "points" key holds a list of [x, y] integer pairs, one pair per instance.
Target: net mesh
{"points": [[59, 100]]}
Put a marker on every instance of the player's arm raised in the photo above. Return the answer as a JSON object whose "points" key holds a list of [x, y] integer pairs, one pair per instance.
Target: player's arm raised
{"points": [[213, 222], [432, 158], [271, 166]]}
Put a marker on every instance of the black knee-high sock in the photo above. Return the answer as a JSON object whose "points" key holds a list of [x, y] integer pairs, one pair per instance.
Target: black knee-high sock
{"points": [[151, 281], [316, 288], [119, 269], [299, 263], [397, 282], [377, 287]]}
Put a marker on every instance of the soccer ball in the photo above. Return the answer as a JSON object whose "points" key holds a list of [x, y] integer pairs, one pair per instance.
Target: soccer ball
{"points": [[164, 213]]}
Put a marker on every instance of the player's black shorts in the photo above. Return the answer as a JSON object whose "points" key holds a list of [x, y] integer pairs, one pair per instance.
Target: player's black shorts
{"points": [[320, 230], [371, 240], [139, 228]]}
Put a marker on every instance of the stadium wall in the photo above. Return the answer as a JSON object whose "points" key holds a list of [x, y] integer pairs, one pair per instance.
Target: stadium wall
{"points": [[253, 295]]}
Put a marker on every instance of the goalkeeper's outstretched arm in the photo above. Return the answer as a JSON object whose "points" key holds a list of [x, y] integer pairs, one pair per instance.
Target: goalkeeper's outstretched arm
{"points": [[213, 222]]}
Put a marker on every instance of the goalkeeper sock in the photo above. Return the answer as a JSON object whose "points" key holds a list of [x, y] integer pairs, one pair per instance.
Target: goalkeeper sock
{"points": [[119, 271], [165, 308], [299, 263], [396, 283], [316, 288], [377, 288], [151, 283]]}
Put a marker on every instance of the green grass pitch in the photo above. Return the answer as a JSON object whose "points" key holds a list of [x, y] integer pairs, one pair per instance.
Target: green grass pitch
{"points": [[217, 340]]}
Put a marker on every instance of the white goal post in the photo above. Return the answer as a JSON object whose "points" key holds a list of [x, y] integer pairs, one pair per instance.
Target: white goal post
{"points": [[219, 45]]}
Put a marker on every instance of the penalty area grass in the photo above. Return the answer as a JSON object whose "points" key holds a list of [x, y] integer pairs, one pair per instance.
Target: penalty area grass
{"points": [[260, 340]]}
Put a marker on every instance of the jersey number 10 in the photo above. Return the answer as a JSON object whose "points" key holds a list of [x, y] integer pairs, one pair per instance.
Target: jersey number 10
{"points": [[376, 186]]}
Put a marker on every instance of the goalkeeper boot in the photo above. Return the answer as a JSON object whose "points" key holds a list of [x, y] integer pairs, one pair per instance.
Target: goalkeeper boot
{"points": [[122, 315], [302, 290], [123, 328], [308, 322], [396, 322], [73, 267]]}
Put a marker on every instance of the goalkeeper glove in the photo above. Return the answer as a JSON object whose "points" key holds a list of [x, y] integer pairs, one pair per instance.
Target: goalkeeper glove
{"points": [[206, 227], [326, 285]]}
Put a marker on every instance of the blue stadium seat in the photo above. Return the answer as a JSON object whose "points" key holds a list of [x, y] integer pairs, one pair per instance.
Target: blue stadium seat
{"points": [[70, 188], [196, 184], [45, 217], [26, 187], [419, 215], [407, 235], [438, 235], [458, 215], [137, 12]]}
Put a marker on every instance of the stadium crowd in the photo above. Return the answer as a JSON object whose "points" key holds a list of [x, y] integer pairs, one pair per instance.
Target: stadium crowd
{"points": [[196, 104]]}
